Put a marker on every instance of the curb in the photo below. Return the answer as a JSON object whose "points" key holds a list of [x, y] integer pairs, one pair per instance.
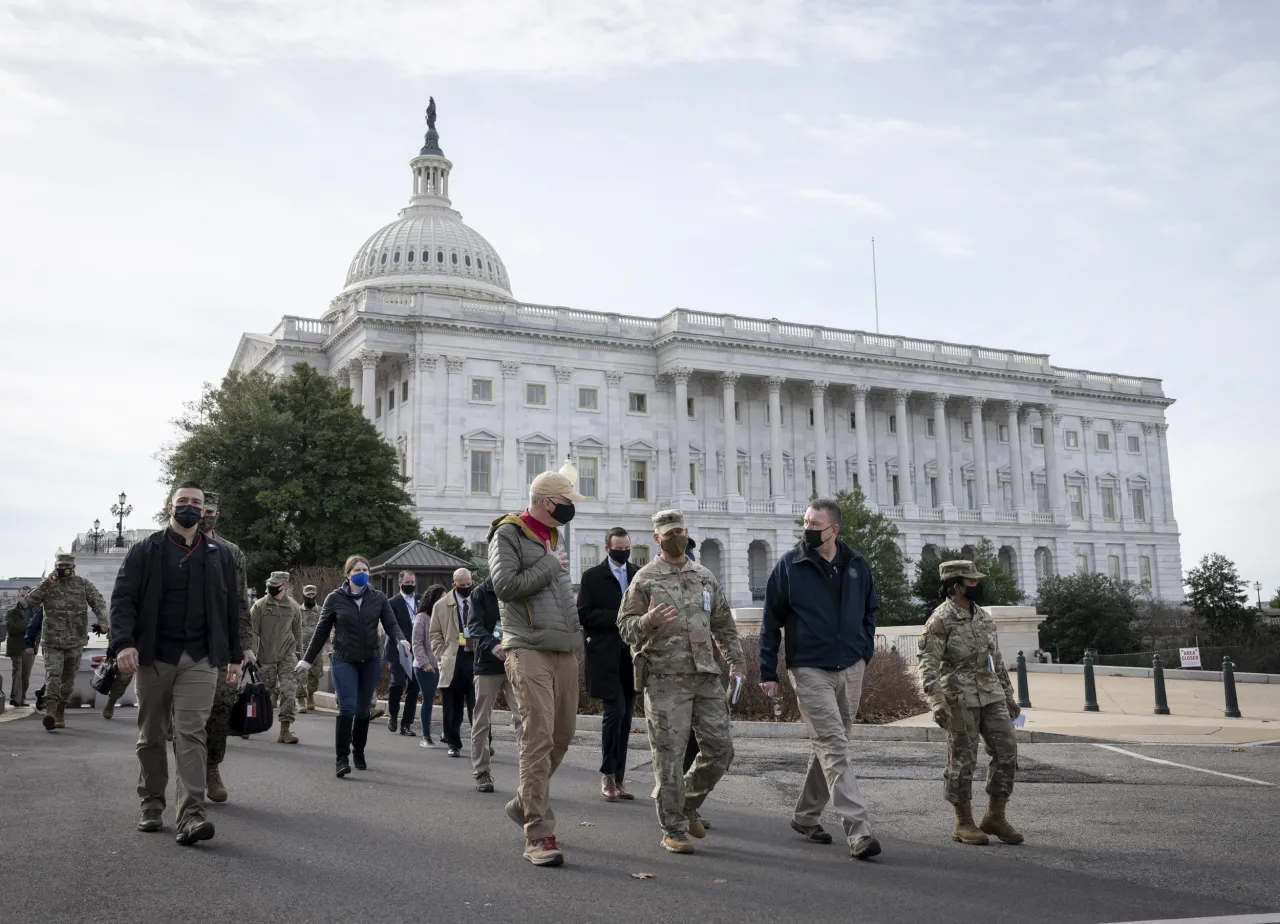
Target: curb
{"points": [[794, 731]]}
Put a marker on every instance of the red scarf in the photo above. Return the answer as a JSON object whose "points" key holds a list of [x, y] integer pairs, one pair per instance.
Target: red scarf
{"points": [[541, 530]]}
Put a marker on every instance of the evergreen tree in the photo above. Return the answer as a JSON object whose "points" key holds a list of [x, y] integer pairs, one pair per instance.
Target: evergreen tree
{"points": [[999, 586], [1219, 596], [1088, 611]]}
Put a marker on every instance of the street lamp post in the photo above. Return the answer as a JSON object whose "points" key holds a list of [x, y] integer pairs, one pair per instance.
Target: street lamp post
{"points": [[120, 511], [1257, 586], [95, 535]]}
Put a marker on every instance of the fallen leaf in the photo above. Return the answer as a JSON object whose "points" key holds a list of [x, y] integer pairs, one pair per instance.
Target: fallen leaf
{"points": [[642, 876], [719, 881], [586, 824]]}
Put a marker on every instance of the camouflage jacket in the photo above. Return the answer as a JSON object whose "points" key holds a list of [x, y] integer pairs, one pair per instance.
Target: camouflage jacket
{"points": [[310, 619], [960, 659], [684, 645], [277, 626], [66, 603], [247, 639]]}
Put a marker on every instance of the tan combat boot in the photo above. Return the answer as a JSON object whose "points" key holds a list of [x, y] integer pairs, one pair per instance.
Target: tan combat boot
{"points": [[966, 832], [995, 824], [109, 709], [677, 843], [696, 827], [214, 788], [286, 736], [302, 704], [311, 702], [60, 720]]}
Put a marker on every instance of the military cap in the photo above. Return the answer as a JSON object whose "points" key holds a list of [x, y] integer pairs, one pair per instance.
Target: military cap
{"points": [[211, 498], [309, 590], [666, 520], [959, 569], [63, 558], [278, 579], [554, 484]]}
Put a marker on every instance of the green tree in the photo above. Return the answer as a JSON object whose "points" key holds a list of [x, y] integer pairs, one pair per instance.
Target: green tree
{"points": [[1219, 596], [999, 586], [876, 538], [446, 541], [1088, 611], [303, 478], [1275, 601]]}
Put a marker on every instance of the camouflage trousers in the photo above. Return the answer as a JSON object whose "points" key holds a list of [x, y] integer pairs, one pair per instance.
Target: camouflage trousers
{"points": [[60, 666], [283, 682], [992, 724], [674, 705], [119, 686], [219, 724], [311, 682]]}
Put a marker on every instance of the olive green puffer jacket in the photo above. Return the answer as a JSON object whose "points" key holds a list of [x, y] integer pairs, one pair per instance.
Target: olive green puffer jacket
{"points": [[535, 597]]}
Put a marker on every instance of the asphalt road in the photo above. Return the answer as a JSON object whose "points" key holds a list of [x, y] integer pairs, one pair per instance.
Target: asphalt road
{"points": [[1110, 838]]}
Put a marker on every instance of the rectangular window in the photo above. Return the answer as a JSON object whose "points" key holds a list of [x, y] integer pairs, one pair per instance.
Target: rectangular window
{"points": [[1082, 563], [1002, 433], [639, 555], [588, 556], [535, 394], [690, 406], [377, 406], [588, 399], [1103, 441], [769, 476], [737, 411], [480, 549], [1042, 498], [1113, 567], [1144, 571], [404, 390], [971, 493], [693, 477], [1037, 436], [1006, 495], [1139, 498], [897, 496], [782, 415], [1108, 503], [810, 418], [893, 423], [482, 389], [391, 400], [588, 467], [638, 403], [740, 488], [481, 471], [856, 483], [535, 463], [853, 420], [1071, 438], [639, 480], [933, 492], [966, 430], [813, 482], [1135, 444], [1075, 496], [928, 426]]}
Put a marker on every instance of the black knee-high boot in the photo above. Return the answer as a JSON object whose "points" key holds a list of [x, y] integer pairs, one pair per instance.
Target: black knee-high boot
{"points": [[342, 742], [359, 735]]}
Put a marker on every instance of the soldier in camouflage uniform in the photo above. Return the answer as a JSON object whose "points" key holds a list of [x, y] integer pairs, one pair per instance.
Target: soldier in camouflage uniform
{"points": [[308, 685], [670, 613], [66, 598], [224, 697], [966, 683], [277, 625]]}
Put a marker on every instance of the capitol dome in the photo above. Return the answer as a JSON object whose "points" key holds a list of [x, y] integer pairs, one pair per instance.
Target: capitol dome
{"points": [[428, 248]]}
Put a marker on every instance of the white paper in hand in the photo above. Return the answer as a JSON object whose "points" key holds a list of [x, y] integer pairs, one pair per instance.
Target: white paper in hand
{"points": [[1021, 720], [406, 662]]}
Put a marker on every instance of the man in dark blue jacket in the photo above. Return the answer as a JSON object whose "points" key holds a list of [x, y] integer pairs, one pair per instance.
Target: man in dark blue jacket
{"points": [[821, 598]]}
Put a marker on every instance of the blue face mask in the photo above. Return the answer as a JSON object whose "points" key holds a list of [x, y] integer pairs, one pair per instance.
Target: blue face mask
{"points": [[360, 579]]}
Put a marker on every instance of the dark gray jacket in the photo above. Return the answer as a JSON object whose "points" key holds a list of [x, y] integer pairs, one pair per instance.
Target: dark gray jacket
{"points": [[353, 619], [535, 595]]}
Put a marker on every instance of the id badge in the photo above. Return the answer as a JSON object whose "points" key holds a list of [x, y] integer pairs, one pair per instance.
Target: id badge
{"points": [[991, 662], [462, 639], [706, 599]]}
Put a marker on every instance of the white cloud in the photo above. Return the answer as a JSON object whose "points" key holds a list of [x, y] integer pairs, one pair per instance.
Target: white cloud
{"points": [[855, 201], [22, 106], [947, 243]]}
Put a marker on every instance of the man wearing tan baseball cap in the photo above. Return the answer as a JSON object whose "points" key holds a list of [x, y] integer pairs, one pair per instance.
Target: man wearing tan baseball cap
{"points": [[529, 568]]}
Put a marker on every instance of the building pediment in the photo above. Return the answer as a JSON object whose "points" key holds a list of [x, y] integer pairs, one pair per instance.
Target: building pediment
{"points": [[537, 438]]}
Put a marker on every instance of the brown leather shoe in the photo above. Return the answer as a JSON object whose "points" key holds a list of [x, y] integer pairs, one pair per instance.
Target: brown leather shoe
{"points": [[608, 789], [621, 791]]}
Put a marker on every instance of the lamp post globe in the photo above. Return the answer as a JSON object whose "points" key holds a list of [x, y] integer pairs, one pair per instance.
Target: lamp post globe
{"points": [[120, 511]]}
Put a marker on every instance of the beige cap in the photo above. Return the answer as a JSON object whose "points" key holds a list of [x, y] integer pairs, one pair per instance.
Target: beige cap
{"points": [[278, 579], [63, 558], [666, 520], [959, 569], [556, 485], [309, 590], [210, 499]]}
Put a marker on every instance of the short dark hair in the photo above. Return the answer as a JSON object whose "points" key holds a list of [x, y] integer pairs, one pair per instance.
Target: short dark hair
{"points": [[948, 584], [616, 532], [830, 506], [185, 485]]}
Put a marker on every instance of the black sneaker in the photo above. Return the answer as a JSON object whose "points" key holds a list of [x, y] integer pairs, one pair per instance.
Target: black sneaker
{"points": [[151, 820], [193, 830], [357, 758], [40, 700], [393, 724], [455, 752], [864, 848], [484, 782]]}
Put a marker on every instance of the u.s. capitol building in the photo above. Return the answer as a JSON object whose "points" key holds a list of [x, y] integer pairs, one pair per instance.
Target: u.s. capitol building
{"points": [[736, 420]]}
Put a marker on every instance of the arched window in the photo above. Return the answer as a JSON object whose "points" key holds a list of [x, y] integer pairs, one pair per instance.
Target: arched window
{"points": [[454, 258], [396, 258], [409, 256], [467, 260], [371, 259], [426, 256], [383, 261], [439, 256]]}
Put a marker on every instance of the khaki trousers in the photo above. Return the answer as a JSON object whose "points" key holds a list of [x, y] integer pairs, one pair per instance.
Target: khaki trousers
{"points": [[828, 703], [185, 691], [21, 674], [488, 686], [546, 685]]}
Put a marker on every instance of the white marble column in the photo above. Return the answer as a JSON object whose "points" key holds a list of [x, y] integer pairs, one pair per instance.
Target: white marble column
{"points": [[819, 389], [354, 382], [512, 476], [900, 399], [942, 439], [368, 381], [1124, 508], [618, 489], [424, 474], [1049, 420], [454, 476], [1155, 481], [779, 492], [1028, 457], [979, 451], [1015, 455], [862, 431], [680, 376], [564, 411], [1166, 486], [727, 382]]}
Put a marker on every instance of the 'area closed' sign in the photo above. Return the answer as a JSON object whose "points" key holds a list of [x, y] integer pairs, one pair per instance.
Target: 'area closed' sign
{"points": [[1190, 657]]}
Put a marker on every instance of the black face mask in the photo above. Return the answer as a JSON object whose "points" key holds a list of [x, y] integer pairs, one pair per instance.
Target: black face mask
{"points": [[309, 602], [464, 591], [274, 591], [408, 589], [620, 555], [973, 594], [813, 537], [187, 516], [563, 513]]}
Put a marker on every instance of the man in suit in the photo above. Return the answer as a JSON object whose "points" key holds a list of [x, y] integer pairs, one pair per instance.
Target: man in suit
{"points": [[405, 606], [454, 648], [608, 669]]}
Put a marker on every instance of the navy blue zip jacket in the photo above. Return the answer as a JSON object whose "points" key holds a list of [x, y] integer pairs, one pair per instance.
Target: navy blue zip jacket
{"points": [[797, 603]]}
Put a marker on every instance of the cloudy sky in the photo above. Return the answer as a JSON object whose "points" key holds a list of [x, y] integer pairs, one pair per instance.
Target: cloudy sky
{"points": [[1092, 179]]}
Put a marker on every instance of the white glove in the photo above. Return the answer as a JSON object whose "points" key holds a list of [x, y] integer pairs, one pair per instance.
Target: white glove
{"points": [[302, 667]]}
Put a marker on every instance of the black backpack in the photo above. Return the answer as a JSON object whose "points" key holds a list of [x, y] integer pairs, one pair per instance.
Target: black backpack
{"points": [[252, 713]]}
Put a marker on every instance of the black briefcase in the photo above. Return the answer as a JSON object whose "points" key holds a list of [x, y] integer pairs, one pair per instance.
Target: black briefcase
{"points": [[251, 714]]}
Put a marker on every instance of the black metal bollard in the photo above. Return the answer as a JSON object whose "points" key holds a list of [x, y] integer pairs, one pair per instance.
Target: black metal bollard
{"points": [[1229, 688], [1024, 695], [1090, 688], [1157, 673]]}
